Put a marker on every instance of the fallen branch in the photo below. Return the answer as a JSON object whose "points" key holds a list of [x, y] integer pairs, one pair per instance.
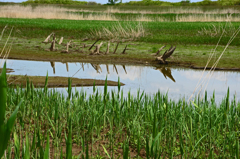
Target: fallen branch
{"points": [[93, 44]]}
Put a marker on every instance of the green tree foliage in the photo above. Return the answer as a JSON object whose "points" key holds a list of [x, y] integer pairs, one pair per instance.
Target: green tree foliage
{"points": [[112, 2]]}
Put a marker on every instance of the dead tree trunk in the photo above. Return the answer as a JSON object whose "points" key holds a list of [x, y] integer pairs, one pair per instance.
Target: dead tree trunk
{"points": [[116, 48], [167, 54]]}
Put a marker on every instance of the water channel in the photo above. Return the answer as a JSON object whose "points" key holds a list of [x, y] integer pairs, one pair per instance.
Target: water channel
{"points": [[177, 82]]}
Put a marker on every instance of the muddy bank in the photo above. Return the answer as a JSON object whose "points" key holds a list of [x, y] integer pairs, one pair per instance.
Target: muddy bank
{"points": [[217, 68], [194, 57], [39, 81]]}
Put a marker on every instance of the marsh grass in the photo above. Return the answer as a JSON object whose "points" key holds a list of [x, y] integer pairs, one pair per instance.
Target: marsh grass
{"points": [[215, 30], [119, 32]]}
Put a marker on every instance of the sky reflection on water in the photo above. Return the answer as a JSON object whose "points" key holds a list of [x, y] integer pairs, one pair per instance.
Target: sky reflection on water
{"points": [[178, 82]]}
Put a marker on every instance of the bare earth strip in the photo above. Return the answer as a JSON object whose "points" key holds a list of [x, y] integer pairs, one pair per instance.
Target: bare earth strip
{"points": [[39, 81]]}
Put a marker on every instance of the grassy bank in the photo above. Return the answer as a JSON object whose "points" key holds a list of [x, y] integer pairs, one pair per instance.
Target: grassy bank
{"points": [[109, 125], [194, 40]]}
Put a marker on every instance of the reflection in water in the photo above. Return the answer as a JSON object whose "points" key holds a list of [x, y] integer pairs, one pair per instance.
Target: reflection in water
{"points": [[124, 68], [107, 69], [166, 72], [114, 67], [97, 67], [53, 66], [145, 78]]}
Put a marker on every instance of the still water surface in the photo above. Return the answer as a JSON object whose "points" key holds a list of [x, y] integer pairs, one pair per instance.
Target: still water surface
{"points": [[178, 82]]}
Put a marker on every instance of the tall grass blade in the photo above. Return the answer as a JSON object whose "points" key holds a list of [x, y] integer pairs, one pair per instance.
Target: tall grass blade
{"points": [[47, 148]]}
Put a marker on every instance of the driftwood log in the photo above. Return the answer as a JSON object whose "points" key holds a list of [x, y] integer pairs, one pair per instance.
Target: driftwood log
{"points": [[167, 54]]}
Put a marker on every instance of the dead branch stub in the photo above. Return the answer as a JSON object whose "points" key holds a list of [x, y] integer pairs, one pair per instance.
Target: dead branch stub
{"points": [[167, 54], [116, 48], [47, 39], [60, 41], [66, 51], [124, 51], [107, 51], [52, 47], [157, 53]]}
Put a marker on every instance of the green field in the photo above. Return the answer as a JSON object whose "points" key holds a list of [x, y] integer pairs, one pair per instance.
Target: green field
{"points": [[184, 33]]}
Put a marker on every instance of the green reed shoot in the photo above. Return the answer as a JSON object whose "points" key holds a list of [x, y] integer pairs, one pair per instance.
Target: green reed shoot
{"points": [[5, 127]]}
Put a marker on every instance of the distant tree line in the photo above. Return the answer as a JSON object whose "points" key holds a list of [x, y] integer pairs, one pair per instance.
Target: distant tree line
{"points": [[184, 3]]}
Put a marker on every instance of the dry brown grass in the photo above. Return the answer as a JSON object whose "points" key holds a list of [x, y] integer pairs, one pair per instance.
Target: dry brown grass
{"points": [[47, 12], [51, 12], [207, 18], [178, 10]]}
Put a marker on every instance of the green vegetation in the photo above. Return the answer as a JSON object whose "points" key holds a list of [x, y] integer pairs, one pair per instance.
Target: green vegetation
{"points": [[186, 33], [109, 125]]}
